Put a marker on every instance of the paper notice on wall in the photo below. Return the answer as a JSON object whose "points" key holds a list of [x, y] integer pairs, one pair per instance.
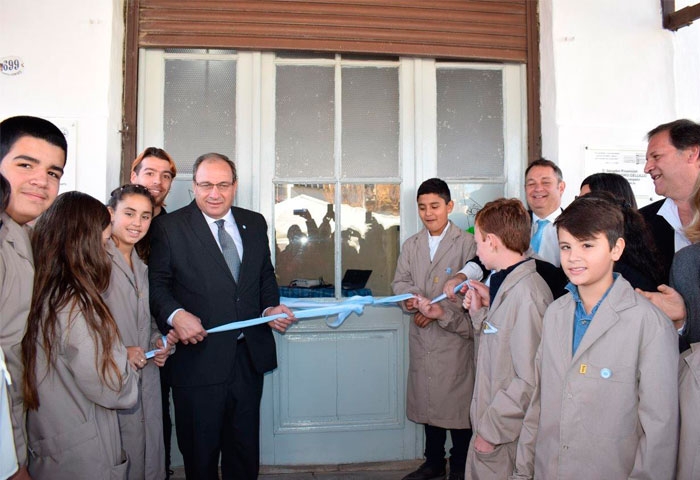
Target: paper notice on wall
{"points": [[69, 127], [629, 163]]}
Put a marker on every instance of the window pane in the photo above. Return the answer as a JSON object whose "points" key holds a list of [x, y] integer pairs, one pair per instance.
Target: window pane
{"points": [[370, 232], [304, 227], [370, 122], [470, 123], [304, 121], [469, 198], [199, 114]]}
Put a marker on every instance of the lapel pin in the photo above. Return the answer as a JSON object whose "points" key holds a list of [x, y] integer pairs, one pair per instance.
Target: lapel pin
{"points": [[244, 227], [583, 368], [605, 373]]}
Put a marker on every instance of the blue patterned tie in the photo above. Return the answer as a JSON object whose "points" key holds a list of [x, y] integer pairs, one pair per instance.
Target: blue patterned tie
{"points": [[536, 241], [228, 248]]}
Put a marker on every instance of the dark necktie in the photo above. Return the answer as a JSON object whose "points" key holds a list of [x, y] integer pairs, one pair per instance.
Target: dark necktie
{"points": [[228, 248]]}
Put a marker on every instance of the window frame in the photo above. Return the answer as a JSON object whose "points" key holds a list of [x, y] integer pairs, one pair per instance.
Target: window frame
{"points": [[255, 128]]}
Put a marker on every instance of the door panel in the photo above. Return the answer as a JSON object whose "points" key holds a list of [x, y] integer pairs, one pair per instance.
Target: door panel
{"points": [[340, 396]]}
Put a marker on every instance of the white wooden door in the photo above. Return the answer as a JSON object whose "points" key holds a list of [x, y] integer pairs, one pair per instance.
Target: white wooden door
{"points": [[338, 396]]}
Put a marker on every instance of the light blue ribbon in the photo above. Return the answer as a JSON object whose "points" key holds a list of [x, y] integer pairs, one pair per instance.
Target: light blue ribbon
{"points": [[443, 296], [152, 353], [309, 309], [314, 309]]}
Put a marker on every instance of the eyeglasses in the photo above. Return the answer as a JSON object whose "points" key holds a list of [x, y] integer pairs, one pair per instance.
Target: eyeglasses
{"points": [[208, 187]]}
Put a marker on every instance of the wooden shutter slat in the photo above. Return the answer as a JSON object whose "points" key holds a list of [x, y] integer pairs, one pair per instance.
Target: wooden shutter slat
{"points": [[481, 21], [338, 33], [484, 30], [421, 50], [421, 8]]}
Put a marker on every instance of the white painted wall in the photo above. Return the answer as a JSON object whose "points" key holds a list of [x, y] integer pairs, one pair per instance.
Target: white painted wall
{"points": [[72, 53], [610, 73], [687, 67]]}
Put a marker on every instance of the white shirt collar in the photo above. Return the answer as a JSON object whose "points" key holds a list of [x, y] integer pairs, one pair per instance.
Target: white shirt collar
{"points": [[434, 241], [551, 217], [441, 236], [669, 212], [228, 218]]}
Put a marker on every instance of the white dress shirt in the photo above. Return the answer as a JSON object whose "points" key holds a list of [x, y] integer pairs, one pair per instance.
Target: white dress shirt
{"points": [[669, 210], [230, 227], [549, 248], [434, 241]]}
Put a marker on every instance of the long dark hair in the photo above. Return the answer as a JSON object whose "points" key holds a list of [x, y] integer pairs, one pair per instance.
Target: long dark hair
{"points": [[143, 246], [613, 183], [72, 269], [640, 251], [4, 193]]}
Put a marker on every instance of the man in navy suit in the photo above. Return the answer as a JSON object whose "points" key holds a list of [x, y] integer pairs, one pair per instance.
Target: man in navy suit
{"points": [[673, 162], [210, 265]]}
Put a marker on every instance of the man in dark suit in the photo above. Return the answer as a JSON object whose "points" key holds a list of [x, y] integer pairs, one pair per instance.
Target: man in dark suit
{"points": [[673, 162], [210, 265]]}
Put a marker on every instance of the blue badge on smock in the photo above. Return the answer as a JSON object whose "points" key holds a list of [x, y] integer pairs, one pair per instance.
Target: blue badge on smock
{"points": [[605, 373], [488, 328]]}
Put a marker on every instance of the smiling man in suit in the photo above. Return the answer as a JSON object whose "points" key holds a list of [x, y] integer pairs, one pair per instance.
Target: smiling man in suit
{"points": [[673, 163], [210, 265], [544, 186]]}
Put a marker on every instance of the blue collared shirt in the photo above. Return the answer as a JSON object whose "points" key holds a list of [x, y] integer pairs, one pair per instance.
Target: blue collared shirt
{"points": [[582, 320]]}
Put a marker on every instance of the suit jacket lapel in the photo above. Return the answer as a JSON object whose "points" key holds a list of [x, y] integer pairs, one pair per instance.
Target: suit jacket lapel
{"points": [[203, 233], [245, 240]]}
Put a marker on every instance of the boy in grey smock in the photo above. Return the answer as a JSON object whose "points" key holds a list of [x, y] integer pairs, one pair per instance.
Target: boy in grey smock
{"points": [[441, 349], [607, 399]]}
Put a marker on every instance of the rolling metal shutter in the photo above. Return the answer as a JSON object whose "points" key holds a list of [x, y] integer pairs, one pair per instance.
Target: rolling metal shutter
{"points": [[477, 30]]}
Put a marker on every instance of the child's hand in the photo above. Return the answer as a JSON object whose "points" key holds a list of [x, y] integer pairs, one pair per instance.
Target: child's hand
{"points": [[411, 304], [482, 446], [472, 301], [162, 354], [483, 291], [467, 300], [421, 320], [136, 357], [429, 310]]}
